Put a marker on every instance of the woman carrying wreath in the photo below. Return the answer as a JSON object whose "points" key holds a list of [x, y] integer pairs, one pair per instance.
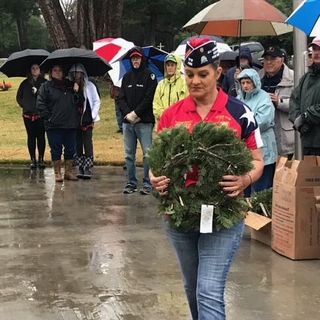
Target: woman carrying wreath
{"points": [[205, 258]]}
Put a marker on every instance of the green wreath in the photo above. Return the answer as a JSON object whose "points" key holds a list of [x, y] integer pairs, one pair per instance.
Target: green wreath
{"points": [[216, 151]]}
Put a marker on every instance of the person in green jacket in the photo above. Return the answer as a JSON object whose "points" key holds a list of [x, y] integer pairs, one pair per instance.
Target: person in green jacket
{"points": [[172, 88], [304, 109]]}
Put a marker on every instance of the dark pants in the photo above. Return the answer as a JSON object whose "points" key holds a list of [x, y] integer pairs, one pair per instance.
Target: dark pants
{"points": [[119, 116], [84, 148], [59, 139], [311, 151], [264, 182], [36, 137]]}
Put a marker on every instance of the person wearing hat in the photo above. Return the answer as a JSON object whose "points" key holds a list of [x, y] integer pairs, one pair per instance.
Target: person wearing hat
{"points": [[305, 104], [135, 102], [277, 80], [172, 88], [205, 259]]}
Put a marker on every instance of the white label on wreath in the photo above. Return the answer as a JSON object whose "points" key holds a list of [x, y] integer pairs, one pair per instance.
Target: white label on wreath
{"points": [[206, 218]]}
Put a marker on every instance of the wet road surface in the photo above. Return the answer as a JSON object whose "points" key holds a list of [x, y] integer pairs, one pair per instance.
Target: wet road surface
{"points": [[83, 250]]}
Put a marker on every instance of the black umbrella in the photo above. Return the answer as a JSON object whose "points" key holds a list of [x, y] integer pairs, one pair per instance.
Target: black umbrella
{"points": [[94, 65], [228, 56], [19, 63]]}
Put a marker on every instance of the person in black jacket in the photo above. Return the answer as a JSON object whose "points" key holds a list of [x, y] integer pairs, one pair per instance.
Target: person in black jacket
{"points": [[58, 104], [135, 102], [26, 98]]}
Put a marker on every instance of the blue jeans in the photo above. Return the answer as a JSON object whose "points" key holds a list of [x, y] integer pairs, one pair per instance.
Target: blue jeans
{"points": [[131, 134], [205, 260], [59, 139]]}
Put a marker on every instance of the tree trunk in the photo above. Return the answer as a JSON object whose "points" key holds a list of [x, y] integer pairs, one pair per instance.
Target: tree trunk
{"points": [[115, 17], [98, 19], [22, 34], [59, 28]]}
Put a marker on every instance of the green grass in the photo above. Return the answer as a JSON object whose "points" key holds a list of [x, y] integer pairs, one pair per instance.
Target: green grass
{"points": [[108, 145]]}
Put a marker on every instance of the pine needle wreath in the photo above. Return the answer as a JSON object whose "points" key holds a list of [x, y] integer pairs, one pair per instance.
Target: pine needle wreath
{"points": [[216, 151]]}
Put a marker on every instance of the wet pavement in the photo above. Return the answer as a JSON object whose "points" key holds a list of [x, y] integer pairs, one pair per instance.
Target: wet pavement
{"points": [[83, 250]]}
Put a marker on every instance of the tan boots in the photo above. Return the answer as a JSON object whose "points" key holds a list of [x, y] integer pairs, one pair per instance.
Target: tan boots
{"points": [[68, 171], [57, 170]]}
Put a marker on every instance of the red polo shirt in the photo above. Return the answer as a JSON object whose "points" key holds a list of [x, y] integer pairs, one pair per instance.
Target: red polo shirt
{"points": [[225, 110]]}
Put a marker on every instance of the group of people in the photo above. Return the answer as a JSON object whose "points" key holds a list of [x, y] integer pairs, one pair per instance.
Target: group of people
{"points": [[261, 106], [141, 101], [65, 108], [265, 112]]}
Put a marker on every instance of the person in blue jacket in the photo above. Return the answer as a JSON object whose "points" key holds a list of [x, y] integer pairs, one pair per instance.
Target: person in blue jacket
{"points": [[259, 101]]}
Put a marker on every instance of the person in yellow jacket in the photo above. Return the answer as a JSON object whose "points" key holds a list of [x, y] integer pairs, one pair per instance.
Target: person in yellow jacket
{"points": [[172, 88]]}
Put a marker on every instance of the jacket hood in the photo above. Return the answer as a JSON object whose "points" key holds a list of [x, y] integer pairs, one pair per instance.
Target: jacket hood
{"points": [[77, 67], [254, 76], [143, 58], [178, 72], [244, 53]]}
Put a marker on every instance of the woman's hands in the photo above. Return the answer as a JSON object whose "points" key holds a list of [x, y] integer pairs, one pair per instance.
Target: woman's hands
{"points": [[160, 183], [235, 185], [76, 87]]}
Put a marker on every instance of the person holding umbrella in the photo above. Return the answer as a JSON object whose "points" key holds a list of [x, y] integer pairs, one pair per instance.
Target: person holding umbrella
{"points": [[205, 258], [26, 98], [89, 112], [26, 63], [172, 88], [58, 104]]}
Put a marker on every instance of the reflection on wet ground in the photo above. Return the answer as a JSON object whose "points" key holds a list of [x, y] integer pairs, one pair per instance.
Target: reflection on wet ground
{"points": [[83, 250]]}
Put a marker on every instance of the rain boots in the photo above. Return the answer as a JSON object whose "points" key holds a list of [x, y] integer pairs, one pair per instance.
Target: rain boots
{"points": [[33, 164], [57, 171], [41, 164], [68, 171]]}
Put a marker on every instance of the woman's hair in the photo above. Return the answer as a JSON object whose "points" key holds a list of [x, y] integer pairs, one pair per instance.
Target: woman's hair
{"points": [[29, 74]]}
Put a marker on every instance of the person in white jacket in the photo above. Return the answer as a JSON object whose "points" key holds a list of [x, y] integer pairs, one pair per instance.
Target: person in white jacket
{"points": [[89, 114]]}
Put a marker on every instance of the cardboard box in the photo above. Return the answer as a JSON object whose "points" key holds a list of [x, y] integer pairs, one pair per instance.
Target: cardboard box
{"points": [[296, 208], [260, 227]]}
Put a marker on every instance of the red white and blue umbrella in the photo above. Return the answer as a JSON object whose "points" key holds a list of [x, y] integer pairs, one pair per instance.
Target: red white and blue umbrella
{"points": [[113, 49], [307, 17]]}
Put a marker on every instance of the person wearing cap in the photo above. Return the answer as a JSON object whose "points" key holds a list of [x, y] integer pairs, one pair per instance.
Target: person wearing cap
{"points": [[305, 104], [242, 61], [277, 80], [172, 88], [261, 105], [135, 102], [205, 259]]}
